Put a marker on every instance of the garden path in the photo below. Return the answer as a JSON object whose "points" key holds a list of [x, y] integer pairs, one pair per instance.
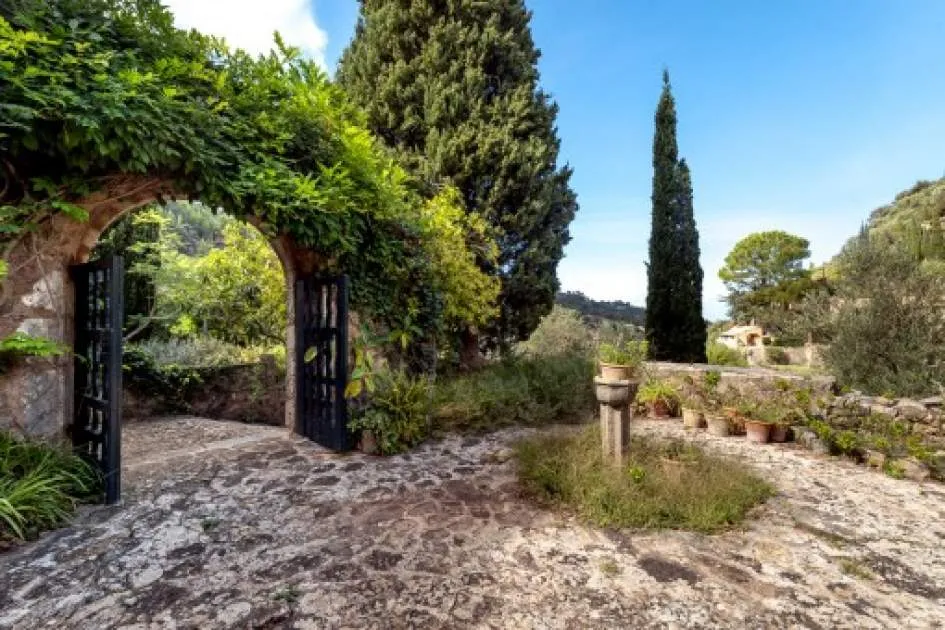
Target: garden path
{"points": [[229, 525]]}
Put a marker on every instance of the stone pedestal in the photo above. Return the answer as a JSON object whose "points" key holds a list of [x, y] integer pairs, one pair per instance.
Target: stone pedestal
{"points": [[614, 396]]}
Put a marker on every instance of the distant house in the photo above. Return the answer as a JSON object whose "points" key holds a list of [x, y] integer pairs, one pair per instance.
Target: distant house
{"points": [[743, 336]]}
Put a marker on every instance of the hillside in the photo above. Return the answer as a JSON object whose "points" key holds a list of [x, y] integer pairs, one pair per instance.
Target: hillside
{"points": [[614, 310], [915, 219]]}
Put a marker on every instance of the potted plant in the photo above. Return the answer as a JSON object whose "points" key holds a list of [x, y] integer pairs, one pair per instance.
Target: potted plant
{"points": [[621, 363], [693, 414], [660, 397], [718, 423], [758, 423]]}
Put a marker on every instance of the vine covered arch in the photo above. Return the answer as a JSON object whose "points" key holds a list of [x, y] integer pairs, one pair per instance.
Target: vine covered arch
{"points": [[108, 107], [41, 300]]}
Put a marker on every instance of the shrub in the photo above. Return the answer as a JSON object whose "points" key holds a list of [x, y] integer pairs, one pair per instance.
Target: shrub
{"points": [[520, 390], [40, 485], [720, 354], [560, 332], [884, 321], [397, 413], [777, 355], [200, 352], [662, 484]]}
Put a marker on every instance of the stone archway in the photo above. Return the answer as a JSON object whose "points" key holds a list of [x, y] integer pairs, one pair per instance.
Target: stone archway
{"points": [[36, 395]]}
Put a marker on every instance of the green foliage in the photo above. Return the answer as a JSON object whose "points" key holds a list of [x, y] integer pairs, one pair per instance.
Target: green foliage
{"points": [[658, 391], [20, 345], [675, 328], [720, 354], [203, 352], [777, 355], [631, 354], [562, 331], [96, 90], [40, 485], [764, 274], [453, 89], [531, 391], [883, 322], [615, 310], [398, 412], [661, 485]]}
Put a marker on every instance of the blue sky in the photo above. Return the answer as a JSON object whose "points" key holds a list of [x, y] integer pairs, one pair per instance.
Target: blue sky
{"points": [[802, 115]]}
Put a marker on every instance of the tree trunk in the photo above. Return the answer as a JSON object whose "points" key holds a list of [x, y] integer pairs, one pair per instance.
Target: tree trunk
{"points": [[469, 356]]}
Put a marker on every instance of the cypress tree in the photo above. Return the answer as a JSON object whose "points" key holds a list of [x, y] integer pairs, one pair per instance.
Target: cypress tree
{"points": [[453, 88], [675, 329]]}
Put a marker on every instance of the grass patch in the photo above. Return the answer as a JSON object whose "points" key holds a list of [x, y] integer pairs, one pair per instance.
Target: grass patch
{"points": [[854, 568], [518, 391], [664, 484], [40, 486]]}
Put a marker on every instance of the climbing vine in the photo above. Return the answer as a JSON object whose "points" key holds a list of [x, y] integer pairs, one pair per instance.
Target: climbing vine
{"points": [[97, 90]]}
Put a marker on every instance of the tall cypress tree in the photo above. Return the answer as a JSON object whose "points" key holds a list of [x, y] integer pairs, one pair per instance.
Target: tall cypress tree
{"points": [[452, 87], [674, 325]]}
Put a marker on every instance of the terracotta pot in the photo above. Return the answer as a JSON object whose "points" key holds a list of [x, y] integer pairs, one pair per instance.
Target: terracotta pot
{"points": [[659, 409], [614, 372], [779, 433], [718, 426], [757, 431], [692, 418]]}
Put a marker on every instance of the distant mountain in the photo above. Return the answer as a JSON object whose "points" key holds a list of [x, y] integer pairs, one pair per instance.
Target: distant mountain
{"points": [[604, 309]]}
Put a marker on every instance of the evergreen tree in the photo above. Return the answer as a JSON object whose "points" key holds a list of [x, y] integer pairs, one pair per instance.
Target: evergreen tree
{"points": [[674, 325], [452, 87]]}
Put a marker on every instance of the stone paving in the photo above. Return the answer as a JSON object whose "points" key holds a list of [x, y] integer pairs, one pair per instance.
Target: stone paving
{"points": [[237, 526]]}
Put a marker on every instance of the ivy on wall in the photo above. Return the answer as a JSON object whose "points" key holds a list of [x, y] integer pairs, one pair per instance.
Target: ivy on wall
{"points": [[95, 90]]}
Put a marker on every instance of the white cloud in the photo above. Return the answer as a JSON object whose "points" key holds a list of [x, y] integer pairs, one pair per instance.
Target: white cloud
{"points": [[250, 24]]}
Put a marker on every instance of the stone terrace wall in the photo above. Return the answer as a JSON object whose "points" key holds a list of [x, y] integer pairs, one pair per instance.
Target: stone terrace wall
{"points": [[252, 393], [745, 380], [920, 417]]}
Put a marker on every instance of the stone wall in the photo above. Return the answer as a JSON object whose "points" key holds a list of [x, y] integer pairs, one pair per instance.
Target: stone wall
{"points": [[254, 393], [752, 380], [923, 417]]}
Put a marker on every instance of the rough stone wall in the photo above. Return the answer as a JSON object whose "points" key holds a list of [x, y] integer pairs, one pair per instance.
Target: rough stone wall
{"points": [[253, 393], [918, 416], [752, 380]]}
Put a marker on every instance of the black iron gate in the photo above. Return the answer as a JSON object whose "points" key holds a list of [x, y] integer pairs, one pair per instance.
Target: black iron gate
{"points": [[96, 424], [321, 342]]}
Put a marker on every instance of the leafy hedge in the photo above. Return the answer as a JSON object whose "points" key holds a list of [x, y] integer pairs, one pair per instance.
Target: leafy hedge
{"points": [[94, 90]]}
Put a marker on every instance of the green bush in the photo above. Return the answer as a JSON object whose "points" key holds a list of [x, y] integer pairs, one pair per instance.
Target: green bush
{"points": [[397, 413], [560, 332], [40, 485], [520, 390], [661, 485], [201, 352], [720, 354], [777, 355]]}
